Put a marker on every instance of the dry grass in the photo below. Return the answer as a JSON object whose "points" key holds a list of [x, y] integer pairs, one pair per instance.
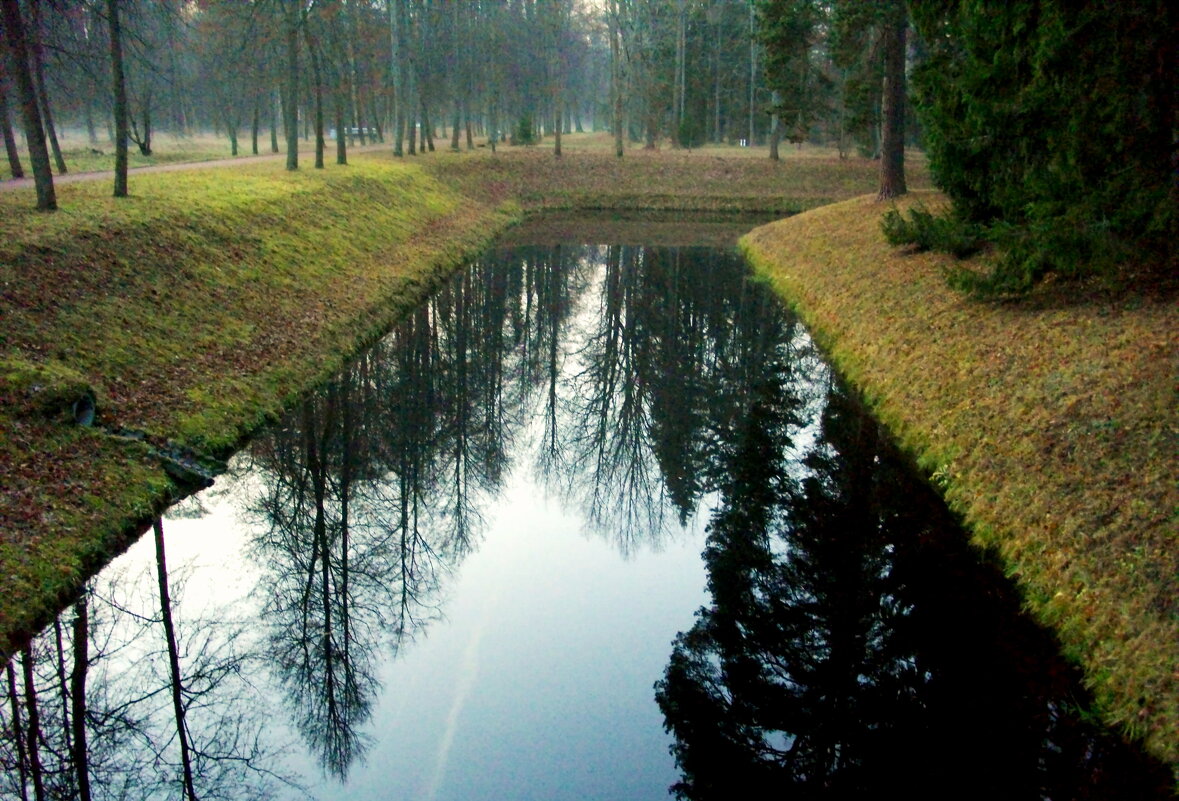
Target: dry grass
{"points": [[82, 156], [714, 179], [1051, 424]]}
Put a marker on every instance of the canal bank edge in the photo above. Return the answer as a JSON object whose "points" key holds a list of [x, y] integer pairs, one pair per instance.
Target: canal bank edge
{"points": [[1048, 424], [193, 329], [200, 306]]}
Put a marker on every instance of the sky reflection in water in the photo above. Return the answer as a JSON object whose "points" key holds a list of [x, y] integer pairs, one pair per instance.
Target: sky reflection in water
{"points": [[455, 571]]}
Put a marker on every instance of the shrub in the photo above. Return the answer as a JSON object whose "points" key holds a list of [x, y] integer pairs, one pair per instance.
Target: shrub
{"points": [[927, 231]]}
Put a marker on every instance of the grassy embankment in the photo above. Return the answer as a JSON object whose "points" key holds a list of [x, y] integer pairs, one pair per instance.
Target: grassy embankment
{"points": [[1049, 423], [198, 306]]}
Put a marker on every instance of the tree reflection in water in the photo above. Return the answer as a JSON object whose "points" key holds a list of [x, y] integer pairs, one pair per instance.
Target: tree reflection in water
{"points": [[124, 697], [850, 645], [659, 377], [855, 645], [371, 490]]}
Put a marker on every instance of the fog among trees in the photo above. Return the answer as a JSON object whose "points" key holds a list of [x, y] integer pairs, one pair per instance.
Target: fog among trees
{"points": [[423, 74]]}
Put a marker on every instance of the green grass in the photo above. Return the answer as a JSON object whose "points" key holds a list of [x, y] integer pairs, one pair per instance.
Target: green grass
{"points": [[1051, 424]]}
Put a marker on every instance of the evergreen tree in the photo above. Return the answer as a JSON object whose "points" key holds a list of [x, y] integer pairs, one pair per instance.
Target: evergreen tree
{"points": [[1051, 124], [789, 30]]}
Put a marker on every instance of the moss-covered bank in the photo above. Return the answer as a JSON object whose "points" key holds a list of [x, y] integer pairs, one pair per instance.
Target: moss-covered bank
{"points": [[199, 306], [1050, 424], [194, 309]]}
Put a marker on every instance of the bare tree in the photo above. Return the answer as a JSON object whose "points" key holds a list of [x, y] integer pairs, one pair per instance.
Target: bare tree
{"points": [[81, 641], [892, 156], [292, 17], [173, 662], [37, 53], [119, 89], [18, 63]]}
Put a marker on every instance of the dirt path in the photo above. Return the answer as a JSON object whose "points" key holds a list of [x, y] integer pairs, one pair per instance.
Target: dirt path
{"points": [[98, 175]]}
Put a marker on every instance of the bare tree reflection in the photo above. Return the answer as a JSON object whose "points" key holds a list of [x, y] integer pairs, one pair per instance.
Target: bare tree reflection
{"points": [[371, 494], [855, 645], [658, 381], [98, 700]]}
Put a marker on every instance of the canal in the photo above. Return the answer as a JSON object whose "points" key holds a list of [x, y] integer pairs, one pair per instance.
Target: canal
{"points": [[593, 522]]}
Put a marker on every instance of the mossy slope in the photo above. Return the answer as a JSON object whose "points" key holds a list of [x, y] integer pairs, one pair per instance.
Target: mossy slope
{"points": [[194, 309], [1051, 426]]}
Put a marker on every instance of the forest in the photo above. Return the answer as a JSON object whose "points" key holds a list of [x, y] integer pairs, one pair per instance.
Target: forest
{"points": [[512, 70], [1050, 125]]}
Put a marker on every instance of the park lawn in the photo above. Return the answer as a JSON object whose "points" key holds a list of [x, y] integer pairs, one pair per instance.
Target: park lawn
{"points": [[82, 156], [1049, 423]]}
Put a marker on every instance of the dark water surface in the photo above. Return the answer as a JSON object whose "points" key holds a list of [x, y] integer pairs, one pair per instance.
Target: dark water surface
{"points": [[470, 567]]}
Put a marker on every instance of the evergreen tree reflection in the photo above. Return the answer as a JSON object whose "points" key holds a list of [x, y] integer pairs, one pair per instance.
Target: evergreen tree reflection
{"points": [[855, 645]]}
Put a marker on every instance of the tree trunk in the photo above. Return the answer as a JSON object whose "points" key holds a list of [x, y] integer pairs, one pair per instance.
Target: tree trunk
{"points": [[892, 149], [398, 75], [411, 135], [275, 104], [173, 661], [14, 165], [341, 142], [39, 83], [91, 130], [557, 133], [291, 94], [616, 77], [142, 138], [63, 688], [681, 46], [119, 89], [716, 86], [493, 123], [376, 135], [317, 78], [427, 129], [17, 731], [353, 83], [255, 125], [33, 729], [752, 67], [81, 637], [775, 127], [14, 33]]}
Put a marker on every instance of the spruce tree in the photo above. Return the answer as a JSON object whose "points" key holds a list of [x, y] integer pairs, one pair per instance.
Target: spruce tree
{"points": [[1051, 124]]}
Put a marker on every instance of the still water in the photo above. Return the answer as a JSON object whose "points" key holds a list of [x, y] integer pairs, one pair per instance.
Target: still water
{"points": [[592, 522]]}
